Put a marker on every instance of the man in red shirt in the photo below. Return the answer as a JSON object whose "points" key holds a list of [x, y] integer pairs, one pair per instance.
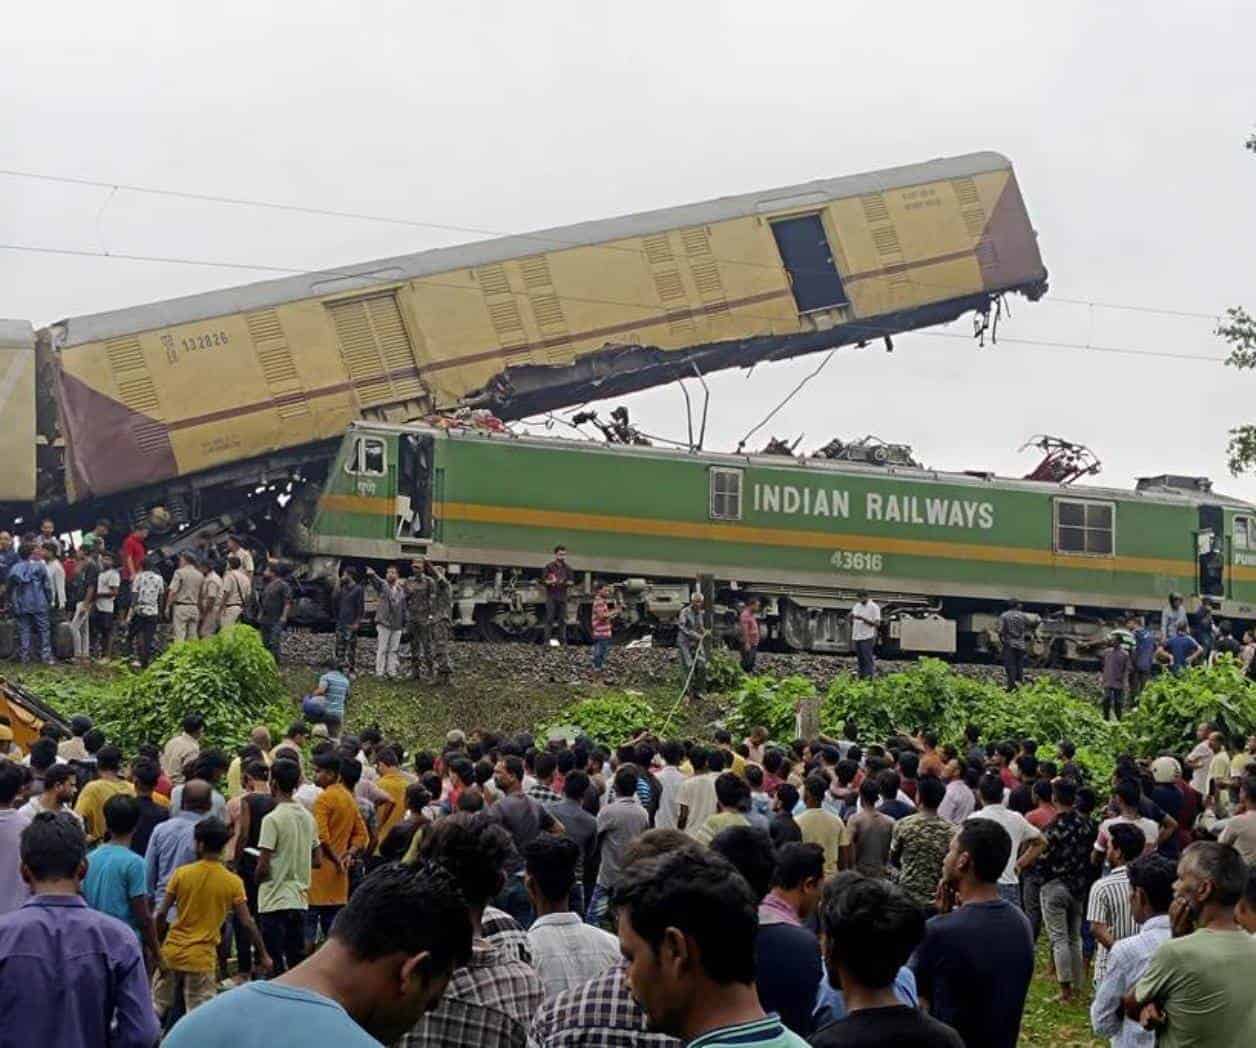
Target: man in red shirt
{"points": [[748, 626], [134, 551], [130, 564]]}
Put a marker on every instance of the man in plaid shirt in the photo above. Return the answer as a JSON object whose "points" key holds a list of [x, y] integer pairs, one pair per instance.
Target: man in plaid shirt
{"points": [[546, 766], [489, 1002], [603, 1013]]}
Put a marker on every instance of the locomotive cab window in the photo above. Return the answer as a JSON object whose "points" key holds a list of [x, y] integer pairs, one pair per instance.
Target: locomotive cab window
{"points": [[369, 458], [1243, 536], [1085, 527], [726, 494]]}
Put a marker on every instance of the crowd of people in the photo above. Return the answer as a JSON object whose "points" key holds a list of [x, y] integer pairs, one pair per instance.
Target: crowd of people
{"points": [[514, 891], [115, 598]]}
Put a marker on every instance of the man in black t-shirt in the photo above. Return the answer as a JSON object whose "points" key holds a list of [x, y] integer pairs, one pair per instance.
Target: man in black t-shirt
{"points": [[870, 929], [974, 966], [275, 605]]}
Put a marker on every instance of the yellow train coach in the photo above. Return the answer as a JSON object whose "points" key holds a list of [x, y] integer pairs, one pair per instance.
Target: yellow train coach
{"points": [[212, 388]]}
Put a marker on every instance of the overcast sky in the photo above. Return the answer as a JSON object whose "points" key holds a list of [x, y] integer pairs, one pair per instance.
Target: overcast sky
{"points": [[1125, 122]]}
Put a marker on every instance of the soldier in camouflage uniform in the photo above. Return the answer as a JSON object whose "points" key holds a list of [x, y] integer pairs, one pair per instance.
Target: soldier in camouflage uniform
{"points": [[429, 613]]}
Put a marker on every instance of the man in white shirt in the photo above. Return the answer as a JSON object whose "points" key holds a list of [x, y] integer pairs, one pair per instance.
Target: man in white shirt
{"points": [[695, 799], [1126, 794], [56, 575], [865, 620], [1023, 833], [566, 952], [670, 779], [1151, 891], [1199, 760], [107, 585]]}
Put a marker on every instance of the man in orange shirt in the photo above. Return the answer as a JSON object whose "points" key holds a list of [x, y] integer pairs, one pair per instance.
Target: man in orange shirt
{"points": [[393, 783], [342, 836]]}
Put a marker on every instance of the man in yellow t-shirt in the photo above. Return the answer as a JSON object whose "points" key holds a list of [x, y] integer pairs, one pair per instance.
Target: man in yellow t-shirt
{"points": [[1243, 760], [393, 783], [91, 802], [733, 760], [204, 893], [823, 828]]}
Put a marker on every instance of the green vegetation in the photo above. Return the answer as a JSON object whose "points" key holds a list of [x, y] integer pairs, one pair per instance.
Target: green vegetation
{"points": [[230, 679], [1170, 708], [608, 719]]}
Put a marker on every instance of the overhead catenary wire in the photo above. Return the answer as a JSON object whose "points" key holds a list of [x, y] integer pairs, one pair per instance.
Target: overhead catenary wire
{"points": [[238, 201], [790, 396]]}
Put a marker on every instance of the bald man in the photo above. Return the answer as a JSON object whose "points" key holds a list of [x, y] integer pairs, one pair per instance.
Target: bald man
{"points": [[259, 737], [173, 843]]}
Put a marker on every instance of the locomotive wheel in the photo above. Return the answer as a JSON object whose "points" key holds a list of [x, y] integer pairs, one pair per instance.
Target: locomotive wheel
{"points": [[495, 627]]}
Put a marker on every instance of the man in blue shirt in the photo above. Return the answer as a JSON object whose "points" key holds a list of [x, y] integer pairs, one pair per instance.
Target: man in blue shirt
{"points": [[173, 843], [384, 966], [975, 963], [333, 687], [56, 941], [116, 883], [1181, 650], [1144, 655]]}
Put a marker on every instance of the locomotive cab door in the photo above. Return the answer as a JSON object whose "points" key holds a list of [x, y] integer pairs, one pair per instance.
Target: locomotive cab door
{"points": [[414, 486], [1209, 561]]}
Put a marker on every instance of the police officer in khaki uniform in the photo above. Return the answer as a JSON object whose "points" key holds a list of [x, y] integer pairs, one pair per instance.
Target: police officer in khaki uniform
{"points": [[211, 599], [183, 598], [429, 613]]}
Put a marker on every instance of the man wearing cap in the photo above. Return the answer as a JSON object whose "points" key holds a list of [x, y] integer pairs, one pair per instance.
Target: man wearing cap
{"points": [[1168, 795], [429, 610], [183, 600]]}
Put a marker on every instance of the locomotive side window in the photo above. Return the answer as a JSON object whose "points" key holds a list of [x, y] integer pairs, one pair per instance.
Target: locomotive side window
{"points": [[1086, 527], [1242, 533], [726, 494], [369, 458]]}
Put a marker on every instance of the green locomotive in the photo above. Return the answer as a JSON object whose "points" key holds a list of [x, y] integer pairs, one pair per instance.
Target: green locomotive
{"points": [[941, 552]]}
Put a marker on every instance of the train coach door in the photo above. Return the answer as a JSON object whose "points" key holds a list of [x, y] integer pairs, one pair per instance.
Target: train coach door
{"points": [[808, 259], [1211, 564]]}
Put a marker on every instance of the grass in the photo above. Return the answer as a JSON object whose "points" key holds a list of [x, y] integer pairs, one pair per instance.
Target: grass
{"points": [[416, 713], [419, 714], [1047, 1022]]}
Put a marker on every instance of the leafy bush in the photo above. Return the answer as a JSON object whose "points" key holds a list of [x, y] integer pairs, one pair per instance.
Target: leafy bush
{"points": [[929, 696], [1172, 706], [610, 718], [230, 679], [770, 703], [723, 671]]}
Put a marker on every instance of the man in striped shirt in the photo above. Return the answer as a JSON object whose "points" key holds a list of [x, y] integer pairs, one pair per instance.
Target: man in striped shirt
{"points": [[1150, 882], [1108, 910]]}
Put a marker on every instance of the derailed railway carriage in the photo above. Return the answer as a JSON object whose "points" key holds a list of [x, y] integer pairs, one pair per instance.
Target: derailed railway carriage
{"points": [[207, 405], [942, 552]]}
